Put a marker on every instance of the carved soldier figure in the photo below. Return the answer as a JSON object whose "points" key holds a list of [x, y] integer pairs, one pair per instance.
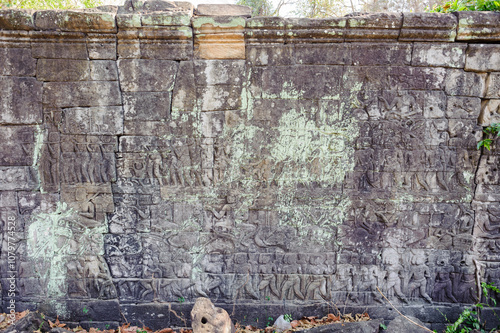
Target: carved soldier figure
{"points": [[443, 285], [394, 271], [418, 275]]}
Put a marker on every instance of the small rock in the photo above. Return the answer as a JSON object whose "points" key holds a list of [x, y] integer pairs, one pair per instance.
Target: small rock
{"points": [[31, 322], [281, 324], [206, 318], [401, 324]]}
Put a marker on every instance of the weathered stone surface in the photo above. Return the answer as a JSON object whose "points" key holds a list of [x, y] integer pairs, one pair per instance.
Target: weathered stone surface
{"points": [[147, 75], [428, 27], [274, 55], [93, 120], [103, 70], [265, 30], [460, 83], [72, 20], [483, 58], [441, 55], [463, 107], [478, 26], [17, 62], [62, 70], [493, 85], [214, 72], [219, 37], [165, 19], [146, 106], [364, 54], [58, 45], [20, 100], [490, 112], [101, 46], [184, 93], [86, 93], [12, 19], [223, 9], [206, 318], [378, 26], [300, 30], [18, 145], [220, 97], [18, 178], [401, 324]]}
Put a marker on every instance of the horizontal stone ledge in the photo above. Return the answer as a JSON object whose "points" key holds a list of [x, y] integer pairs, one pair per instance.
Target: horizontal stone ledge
{"points": [[478, 26]]}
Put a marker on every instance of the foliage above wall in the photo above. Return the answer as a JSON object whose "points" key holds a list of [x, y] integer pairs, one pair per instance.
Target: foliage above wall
{"points": [[49, 4], [467, 5]]}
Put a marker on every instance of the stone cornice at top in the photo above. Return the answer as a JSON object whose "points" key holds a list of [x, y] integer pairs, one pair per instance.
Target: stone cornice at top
{"points": [[171, 15]]}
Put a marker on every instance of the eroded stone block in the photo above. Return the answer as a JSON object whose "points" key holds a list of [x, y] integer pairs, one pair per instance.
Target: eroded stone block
{"points": [[223, 9], [483, 58], [17, 61], [442, 55], [62, 70], [147, 75], [460, 83], [93, 120], [219, 37], [86, 93], [147, 106], [490, 112], [20, 100]]}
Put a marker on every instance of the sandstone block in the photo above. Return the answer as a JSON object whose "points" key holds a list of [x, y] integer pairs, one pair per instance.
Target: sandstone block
{"points": [[12, 19], [493, 85], [58, 45], [223, 9], [103, 70], [318, 54], [265, 30], [219, 37], [93, 120], [220, 97], [478, 26], [273, 54], [400, 324], [72, 20], [206, 318], [147, 106], [18, 178], [460, 83], [62, 70], [483, 58], [166, 19], [440, 55], [85, 93], [309, 82], [184, 94], [428, 27], [213, 72], [377, 26], [20, 100], [147, 75], [18, 145], [303, 30], [490, 112], [101, 46], [364, 54], [17, 62], [463, 107]]}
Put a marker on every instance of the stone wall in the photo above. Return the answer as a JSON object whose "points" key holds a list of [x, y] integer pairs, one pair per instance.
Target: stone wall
{"points": [[150, 156]]}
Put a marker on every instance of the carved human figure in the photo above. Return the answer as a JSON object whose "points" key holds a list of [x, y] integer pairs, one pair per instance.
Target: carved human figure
{"points": [[404, 105], [221, 159], [442, 285], [342, 285], [98, 278], [87, 207], [465, 282], [394, 272], [244, 279], [419, 274], [366, 284], [150, 277]]}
